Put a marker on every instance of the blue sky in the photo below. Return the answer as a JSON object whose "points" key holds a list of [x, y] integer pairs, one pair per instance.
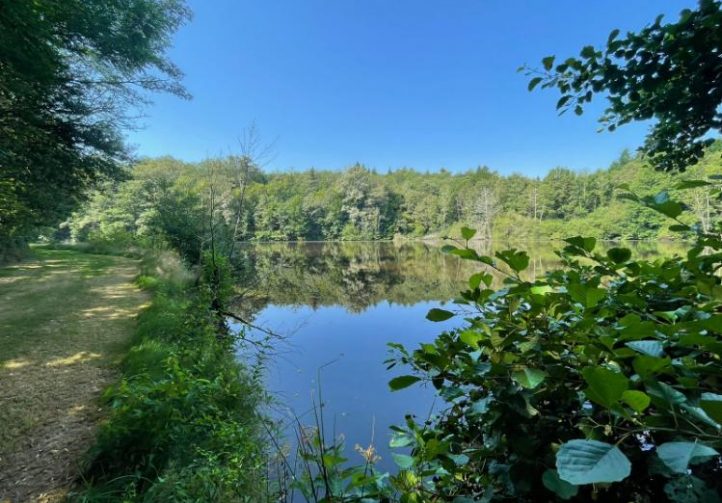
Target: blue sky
{"points": [[389, 83]]}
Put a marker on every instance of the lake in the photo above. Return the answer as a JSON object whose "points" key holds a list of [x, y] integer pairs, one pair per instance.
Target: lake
{"points": [[337, 305]]}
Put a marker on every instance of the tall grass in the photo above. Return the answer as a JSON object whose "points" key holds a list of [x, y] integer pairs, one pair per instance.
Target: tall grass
{"points": [[184, 422]]}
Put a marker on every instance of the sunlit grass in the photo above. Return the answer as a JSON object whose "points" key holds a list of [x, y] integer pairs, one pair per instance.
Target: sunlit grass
{"points": [[66, 318]]}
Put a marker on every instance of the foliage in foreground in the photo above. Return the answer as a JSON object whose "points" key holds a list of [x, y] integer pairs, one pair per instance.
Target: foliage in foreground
{"points": [[598, 381], [183, 422], [669, 72]]}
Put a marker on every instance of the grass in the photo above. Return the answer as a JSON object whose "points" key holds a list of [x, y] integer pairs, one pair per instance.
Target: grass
{"points": [[184, 422], [66, 319]]}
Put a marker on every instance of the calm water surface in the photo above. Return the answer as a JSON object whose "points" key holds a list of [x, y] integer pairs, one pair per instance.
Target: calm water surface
{"points": [[337, 306]]}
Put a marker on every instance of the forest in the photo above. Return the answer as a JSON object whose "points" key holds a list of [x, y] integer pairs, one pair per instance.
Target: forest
{"points": [[165, 197]]}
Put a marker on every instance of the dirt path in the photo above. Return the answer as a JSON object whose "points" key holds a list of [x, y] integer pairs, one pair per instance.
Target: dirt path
{"points": [[66, 318]]}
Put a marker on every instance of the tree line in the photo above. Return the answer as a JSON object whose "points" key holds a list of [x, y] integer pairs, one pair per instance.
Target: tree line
{"points": [[179, 202]]}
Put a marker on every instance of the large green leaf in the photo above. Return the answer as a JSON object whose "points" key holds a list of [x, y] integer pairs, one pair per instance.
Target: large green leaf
{"points": [[605, 386], [436, 314], [647, 366], [402, 382], [711, 403], [517, 260], [560, 487], [471, 337], [529, 378], [678, 456], [533, 83], [475, 280], [649, 348], [467, 233], [619, 255], [590, 462], [666, 394], [548, 62], [586, 295], [637, 400], [403, 461], [586, 244]]}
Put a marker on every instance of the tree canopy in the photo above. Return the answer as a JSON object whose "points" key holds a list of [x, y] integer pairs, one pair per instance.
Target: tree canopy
{"points": [[671, 73], [72, 74], [163, 199]]}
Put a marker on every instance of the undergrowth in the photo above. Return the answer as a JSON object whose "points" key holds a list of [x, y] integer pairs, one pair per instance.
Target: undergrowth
{"points": [[183, 422]]}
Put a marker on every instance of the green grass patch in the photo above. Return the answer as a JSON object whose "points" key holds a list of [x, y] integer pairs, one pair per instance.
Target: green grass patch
{"points": [[183, 424]]}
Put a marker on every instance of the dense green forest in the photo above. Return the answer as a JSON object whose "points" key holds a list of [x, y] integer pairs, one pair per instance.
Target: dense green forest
{"points": [[168, 197]]}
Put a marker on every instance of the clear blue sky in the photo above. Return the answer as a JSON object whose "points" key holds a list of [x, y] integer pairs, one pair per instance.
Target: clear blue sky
{"points": [[389, 83]]}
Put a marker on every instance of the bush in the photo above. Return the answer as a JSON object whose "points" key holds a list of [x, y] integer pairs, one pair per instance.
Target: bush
{"points": [[599, 381], [184, 422]]}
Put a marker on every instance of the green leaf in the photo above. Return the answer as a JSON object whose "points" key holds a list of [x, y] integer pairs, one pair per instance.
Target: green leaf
{"points": [[465, 253], [400, 440], [517, 260], [563, 101], [459, 459], [480, 406], [666, 393], [330, 460], [699, 414], [590, 462], [647, 366], [711, 403], [548, 62], [671, 208], [541, 289], [649, 348], [585, 295], [605, 386], [637, 400], [619, 255], [533, 83], [587, 244], [692, 184], [560, 487], [529, 378], [403, 461], [467, 233], [475, 280], [470, 337], [402, 382], [661, 203], [436, 314], [678, 456], [588, 52], [612, 36]]}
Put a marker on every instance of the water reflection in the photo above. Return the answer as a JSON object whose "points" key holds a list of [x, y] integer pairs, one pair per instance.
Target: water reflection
{"points": [[357, 275], [340, 304]]}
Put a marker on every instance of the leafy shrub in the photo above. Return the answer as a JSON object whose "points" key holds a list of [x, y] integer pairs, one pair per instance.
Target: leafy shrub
{"points": [[599, 381]]}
